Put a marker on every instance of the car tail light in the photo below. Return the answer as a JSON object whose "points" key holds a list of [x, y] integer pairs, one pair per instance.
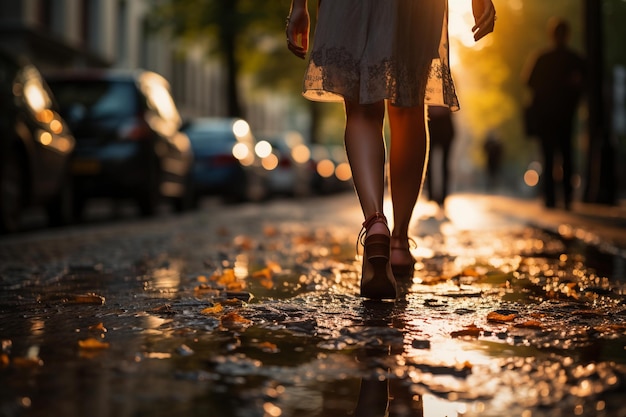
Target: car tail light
{"points": [[223, 160], [137, 129], [285, 162]]}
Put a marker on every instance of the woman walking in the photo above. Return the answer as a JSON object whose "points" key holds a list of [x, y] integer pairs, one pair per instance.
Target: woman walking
{"points": [[372, 55]]}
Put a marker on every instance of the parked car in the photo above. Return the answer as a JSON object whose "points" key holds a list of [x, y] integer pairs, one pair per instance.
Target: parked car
{"points": [[332, 171], [225, 161], [287, 160], [35, 147], [128, 138]]}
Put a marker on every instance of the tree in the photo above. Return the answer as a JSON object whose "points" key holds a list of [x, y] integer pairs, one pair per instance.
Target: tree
{"points": [[229, 30]]}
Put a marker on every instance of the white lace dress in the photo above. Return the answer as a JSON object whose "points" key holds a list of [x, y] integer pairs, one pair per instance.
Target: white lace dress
{"points": [[370, 50]]}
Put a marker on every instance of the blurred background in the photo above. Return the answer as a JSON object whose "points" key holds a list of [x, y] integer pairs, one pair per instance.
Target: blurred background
{"points": [[228, 60]]}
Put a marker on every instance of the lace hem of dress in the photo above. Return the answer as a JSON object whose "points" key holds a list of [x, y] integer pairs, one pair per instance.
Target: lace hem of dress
{"points": [[334, 75]]}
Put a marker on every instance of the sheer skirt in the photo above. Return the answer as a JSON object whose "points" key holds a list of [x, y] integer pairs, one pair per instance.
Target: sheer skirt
{"points": [[370, 50]]}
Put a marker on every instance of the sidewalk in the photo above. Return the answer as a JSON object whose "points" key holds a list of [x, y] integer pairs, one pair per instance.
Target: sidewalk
{"points": [[595, 224]]}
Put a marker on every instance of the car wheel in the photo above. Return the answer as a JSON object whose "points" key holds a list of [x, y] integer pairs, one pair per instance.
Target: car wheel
{"points": [[150, 196], [238, 192], [188, 200], [61, 208], [12, 191]]}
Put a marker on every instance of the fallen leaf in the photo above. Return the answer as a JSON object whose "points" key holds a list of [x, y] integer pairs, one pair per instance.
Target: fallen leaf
{"points": [[270, 231], [265, 273], [588, 313], [164, 309], [98, 328], [470, 272], [90, 298], [204, 289], [472, 331], [268, 347], [215, 309], [234, 320], [530, 324], [500, 318], [274, 266], [21, 362], [92, 344], [202, 278], [244, 242], [267, 283]]}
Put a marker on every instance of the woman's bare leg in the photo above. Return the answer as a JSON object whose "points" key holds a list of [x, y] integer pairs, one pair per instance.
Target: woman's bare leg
{"points": [[407, 162], [365, 149], [366, 153]]}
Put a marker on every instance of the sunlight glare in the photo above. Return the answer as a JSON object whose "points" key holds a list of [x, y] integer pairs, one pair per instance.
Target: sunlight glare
{"points": [[461, 21]]}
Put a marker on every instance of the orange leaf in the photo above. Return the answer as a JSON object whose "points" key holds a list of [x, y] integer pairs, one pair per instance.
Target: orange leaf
{"points": [[98, 328], [267, 283], [27, 362], [92, 343], [501, 318], [472, 331], [217, 308], [268, 347], [270, 231], [274, 266], [263, 273], [90, 298], [530, 324], [204, 289], [234, 320]]}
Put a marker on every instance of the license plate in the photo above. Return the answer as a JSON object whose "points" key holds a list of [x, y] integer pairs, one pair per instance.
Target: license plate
{"points": [[85, 167]]}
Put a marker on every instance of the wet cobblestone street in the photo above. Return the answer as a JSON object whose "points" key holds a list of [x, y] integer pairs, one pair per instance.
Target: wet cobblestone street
{"points": [[251, 310]]}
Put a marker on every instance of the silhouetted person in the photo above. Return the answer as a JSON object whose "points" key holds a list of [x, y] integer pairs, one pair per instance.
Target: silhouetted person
{"points": [[556, 80], [441, 131], [493, 151]]}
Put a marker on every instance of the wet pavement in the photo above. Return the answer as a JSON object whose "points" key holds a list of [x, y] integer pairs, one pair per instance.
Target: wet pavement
{"points": [[251, 310]]}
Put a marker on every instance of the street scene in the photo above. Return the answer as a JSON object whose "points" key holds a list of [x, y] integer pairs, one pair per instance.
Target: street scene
{"points": [[254, 311], [300, 208]]}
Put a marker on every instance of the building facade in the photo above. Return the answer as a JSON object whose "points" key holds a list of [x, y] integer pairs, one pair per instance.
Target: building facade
{"points": [[57, 34]]}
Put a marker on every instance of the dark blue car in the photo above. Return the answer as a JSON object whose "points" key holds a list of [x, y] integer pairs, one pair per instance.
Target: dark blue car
{"points": [[225, 160], [128, 139]]}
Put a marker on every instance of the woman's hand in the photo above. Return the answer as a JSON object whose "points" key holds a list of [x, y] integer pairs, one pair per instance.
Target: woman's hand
{"points": [[298, 24], [484, 16]]}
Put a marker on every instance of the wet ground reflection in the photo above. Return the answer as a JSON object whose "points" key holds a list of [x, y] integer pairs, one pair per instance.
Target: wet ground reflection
{"points": [[497, 321]]}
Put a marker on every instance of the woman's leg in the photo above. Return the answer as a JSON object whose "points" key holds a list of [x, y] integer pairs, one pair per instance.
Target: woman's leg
{"points": [[366, 153], [365, 149], [407, 161]]}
